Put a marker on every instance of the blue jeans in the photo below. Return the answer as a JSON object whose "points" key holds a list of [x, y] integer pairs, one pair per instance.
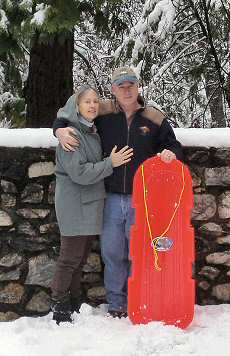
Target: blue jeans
{"points": [[118, 218]]}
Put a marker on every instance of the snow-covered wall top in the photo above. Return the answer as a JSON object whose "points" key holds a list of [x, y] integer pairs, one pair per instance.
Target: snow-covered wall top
{"points": [[43, 137]]}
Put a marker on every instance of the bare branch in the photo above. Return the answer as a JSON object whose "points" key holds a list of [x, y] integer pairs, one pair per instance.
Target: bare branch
{"points": [[91, 70]]}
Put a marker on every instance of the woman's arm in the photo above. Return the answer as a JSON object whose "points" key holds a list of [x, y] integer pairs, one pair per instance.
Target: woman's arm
{"points": [[79, 170]]}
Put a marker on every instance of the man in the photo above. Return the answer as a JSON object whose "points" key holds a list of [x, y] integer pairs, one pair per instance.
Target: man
{"points": [[124, 121]]}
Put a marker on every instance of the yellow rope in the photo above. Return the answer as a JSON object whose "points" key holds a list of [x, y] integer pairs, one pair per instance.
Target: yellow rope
{"points": [[155, 240]]}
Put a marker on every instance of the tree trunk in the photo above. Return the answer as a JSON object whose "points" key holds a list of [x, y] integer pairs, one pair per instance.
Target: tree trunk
{"points": [[227, 90], [214, 94], [50, 79]]}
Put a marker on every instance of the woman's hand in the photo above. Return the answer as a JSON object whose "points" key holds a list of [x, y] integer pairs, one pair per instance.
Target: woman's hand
{"points": [[121, 157]]}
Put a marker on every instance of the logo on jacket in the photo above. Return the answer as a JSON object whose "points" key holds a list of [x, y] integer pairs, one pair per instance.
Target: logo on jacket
{"points": [[145, 130]]}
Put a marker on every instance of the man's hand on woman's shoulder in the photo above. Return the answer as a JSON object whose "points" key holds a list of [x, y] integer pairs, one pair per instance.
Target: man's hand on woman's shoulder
{"points": [[67, 138]]}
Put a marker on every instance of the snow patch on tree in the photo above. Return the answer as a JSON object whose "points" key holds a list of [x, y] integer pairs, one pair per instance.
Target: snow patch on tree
{"points": [[3, 20], [40, 14], [26, 4]]}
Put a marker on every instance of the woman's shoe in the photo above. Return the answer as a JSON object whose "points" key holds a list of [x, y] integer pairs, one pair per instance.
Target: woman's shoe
{"points": [[61, 309], [75, 304]]}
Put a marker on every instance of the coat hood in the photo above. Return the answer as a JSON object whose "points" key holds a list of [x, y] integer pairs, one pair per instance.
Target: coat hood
{"points": [[70, 111]]}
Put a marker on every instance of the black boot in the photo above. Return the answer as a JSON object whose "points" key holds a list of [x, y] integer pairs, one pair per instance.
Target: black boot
{"points": [[75, 304], [61, 309], [117, 313]]}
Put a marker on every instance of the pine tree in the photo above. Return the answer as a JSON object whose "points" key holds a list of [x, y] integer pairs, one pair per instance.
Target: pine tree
{"points": [[47, 28], [13, 63]]}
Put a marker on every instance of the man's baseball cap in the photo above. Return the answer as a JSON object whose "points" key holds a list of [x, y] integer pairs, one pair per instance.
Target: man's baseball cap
{"points": [[124, 74]]}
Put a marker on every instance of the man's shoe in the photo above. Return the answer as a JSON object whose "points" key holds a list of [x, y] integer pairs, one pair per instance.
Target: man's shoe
{"points": [[61, 309], [61, 317], [117, 313]]}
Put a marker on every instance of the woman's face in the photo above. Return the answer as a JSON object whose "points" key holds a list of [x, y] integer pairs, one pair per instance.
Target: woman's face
{"points": [[88, 105]]}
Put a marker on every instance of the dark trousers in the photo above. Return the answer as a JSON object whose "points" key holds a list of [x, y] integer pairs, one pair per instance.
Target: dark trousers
{"points": [[73, 255]]}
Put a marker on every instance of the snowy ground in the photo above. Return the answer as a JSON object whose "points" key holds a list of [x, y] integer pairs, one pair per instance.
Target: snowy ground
{"points": [[94, 334]]}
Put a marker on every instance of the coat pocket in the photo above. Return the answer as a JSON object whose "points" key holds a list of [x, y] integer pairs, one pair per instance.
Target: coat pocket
{"points": [[93, 192]]}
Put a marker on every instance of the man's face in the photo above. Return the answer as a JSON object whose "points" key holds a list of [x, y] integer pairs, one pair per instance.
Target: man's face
{"points": [[126, 93]]}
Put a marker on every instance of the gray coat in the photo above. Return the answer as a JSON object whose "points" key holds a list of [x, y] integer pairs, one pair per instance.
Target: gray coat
{"points": [[80, 192]]}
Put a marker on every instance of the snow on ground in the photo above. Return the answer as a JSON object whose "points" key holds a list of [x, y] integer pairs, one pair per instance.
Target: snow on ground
{"points": [[95, 334], [43, 137]]}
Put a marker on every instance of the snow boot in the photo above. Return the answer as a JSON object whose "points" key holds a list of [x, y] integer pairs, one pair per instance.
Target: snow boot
{"points": [[75, 304], [117, 313], [61, 309]]}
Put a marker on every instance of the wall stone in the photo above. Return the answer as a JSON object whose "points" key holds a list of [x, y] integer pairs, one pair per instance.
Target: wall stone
{"points": [[8, 316], [217, 176], [222, 292], [219, 258], [211, 229], [5, 219], [10, 260], [29, 234], [224, 205], [41, 169], [39, 303], [204, 207], [41, 270], [11, 293]]}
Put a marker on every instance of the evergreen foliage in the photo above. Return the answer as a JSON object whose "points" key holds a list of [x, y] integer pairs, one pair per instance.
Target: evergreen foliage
{"points": [[181, 50], [25, 23]]}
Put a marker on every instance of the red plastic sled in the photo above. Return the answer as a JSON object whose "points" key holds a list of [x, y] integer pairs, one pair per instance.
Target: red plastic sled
{"points": [[161, 287]]}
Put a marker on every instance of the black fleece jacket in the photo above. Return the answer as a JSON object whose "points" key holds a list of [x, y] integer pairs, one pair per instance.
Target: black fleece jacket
{"points": [[148, 134]]}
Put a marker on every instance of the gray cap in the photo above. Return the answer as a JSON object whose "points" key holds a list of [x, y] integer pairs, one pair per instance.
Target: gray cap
{"points": [[124, 74]]}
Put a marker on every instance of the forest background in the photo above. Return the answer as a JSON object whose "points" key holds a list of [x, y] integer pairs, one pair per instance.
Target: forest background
{"points": [[179, 48]]}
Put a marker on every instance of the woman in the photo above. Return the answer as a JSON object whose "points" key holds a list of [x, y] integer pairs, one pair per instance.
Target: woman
{"points": [[79, 197]]}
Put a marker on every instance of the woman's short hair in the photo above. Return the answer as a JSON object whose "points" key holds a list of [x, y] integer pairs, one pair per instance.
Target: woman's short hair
{"points": [[82, 89]]}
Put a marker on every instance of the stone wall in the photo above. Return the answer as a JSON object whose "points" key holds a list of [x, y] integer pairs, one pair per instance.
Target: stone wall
{"points": [[29, 235], [211, 219]]}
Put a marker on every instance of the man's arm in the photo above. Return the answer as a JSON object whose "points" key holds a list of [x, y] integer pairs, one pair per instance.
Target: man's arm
{"points": [[59, 123], [65, 133], [169, 148]]}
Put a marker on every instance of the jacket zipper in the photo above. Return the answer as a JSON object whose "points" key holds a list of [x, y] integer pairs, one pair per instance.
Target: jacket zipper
{"points": [[127, 143]]}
